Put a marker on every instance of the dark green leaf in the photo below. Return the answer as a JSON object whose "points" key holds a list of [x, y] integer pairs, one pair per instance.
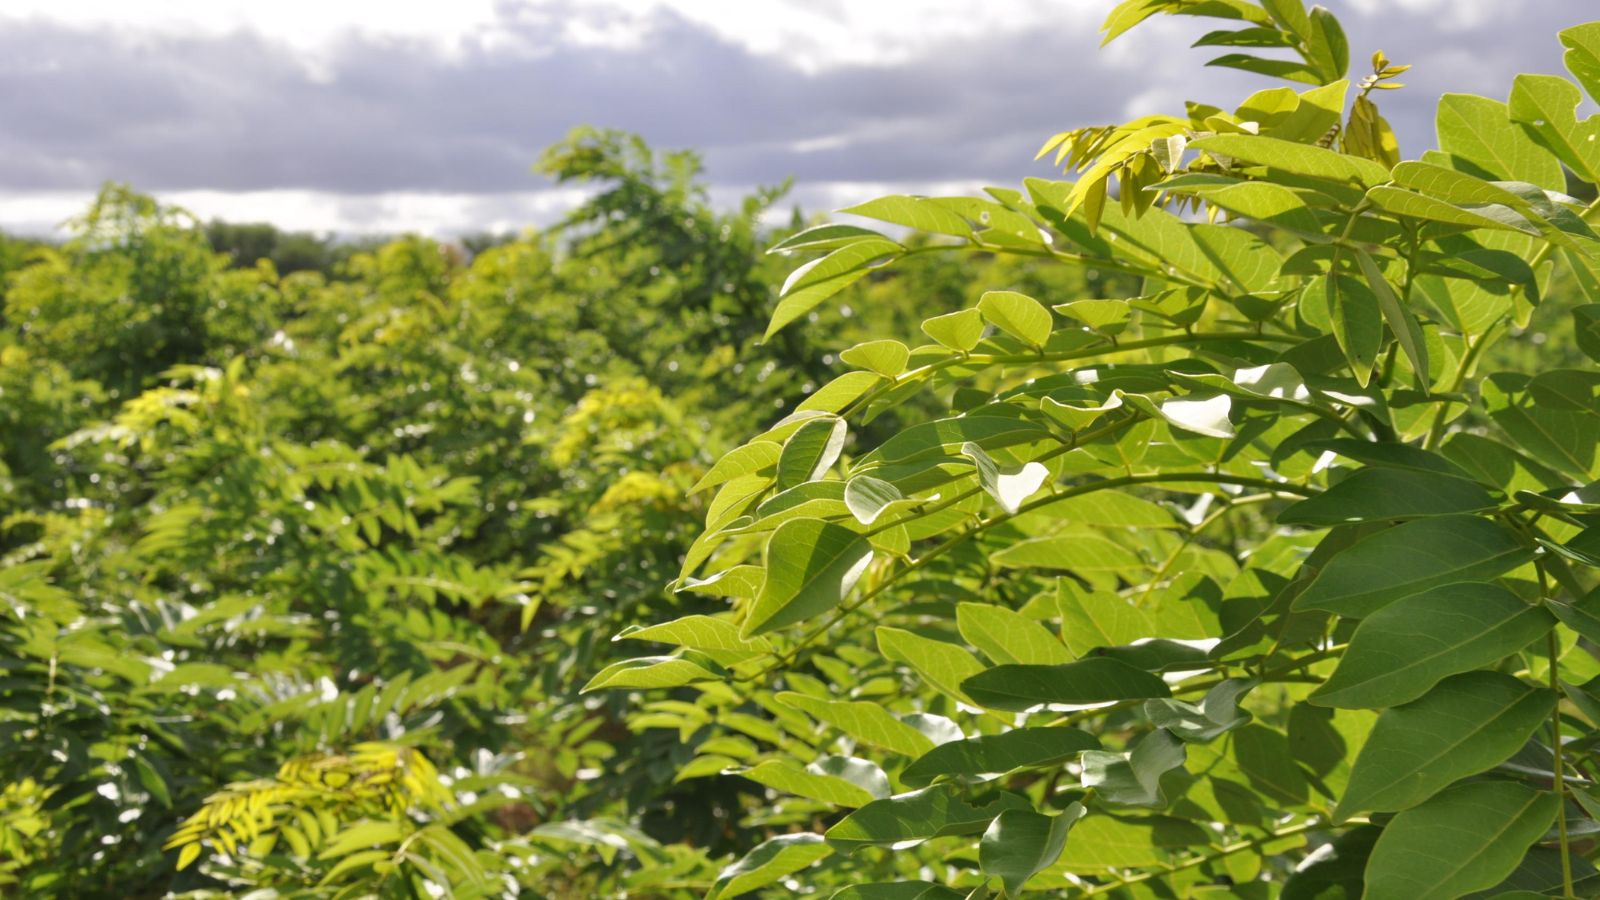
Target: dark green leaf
{"points": [[918, 816], [1094, 680], [811, 566], [1020, 844], [988, 756], [1402, 650], [1379, 493], [1411, 558], [1467, 724], [1465, 839]]}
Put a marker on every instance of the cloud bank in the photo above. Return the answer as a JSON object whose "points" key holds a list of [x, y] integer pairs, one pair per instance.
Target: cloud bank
{"points": [[359, 125]]}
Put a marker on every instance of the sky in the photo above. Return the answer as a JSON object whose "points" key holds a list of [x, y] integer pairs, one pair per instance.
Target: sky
{"points": [[358, 116]]}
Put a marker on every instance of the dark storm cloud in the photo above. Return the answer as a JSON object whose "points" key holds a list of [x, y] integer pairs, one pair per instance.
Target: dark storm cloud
{"points": [[241, 112]]}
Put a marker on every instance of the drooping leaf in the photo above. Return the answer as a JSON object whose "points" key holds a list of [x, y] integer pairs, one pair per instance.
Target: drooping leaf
{"points": [[768, 862], [1134, 778], [1009, 485], [1216, 714], [1020, 844]]}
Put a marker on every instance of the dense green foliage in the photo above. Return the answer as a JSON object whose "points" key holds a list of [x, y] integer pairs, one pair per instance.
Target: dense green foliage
{"points": [[322, 559], [1272, 577], [1219, 522]]}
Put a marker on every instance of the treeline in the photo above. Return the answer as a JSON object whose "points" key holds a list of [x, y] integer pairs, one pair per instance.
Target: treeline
{"points": [[332, 534]]}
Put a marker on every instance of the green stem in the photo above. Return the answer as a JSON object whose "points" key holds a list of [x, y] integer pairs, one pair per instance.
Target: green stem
{"points": [[1081, 353], [1254, 843], [983, 525], [1553, 649]]}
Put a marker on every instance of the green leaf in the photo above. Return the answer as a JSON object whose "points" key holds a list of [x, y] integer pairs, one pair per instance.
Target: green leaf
{"points": [[810, 451], [1006, 636], [936, 438], [1379, 493], [990, 756], [942, 664], [822, 781], [1018, 315], [960, 330], [743, 582], [1411, 558], [1357, 321], [1478, 135], [862, 254], [1009, 486], [887, 358], [1467, 724], [1020, 844], [823, 237], [1328, 46], [1134, 778], [1216, 714], [649, 672], [1399, 456], [920, 213], [1107, 317], [1295, 158], [769, 862], [704, 633], [804, 299], [1402, 324], [867, 498], [918, 816], [839, 393], [1104, 842], [362, 836], [1091, 620], [1583, 55], [1545, 106], [1465, 839], [1094, 680], [1400, 651], [1420, 206], [188, 855], [1071, 552], [867, 722], [811, 567], [898, 890]]}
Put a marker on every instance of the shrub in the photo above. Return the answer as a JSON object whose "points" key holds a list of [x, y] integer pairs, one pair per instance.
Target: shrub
{"points": [[1250, 580]]}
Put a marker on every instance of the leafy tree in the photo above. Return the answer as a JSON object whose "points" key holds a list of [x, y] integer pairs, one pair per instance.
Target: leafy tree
{"points": [[1247, 577]]}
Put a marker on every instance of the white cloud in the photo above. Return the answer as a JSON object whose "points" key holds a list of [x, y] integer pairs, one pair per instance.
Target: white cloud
{"points": [[440, 214]]}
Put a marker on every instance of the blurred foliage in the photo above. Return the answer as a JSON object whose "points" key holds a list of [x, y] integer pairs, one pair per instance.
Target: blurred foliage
{"points": [[306, 549]]}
